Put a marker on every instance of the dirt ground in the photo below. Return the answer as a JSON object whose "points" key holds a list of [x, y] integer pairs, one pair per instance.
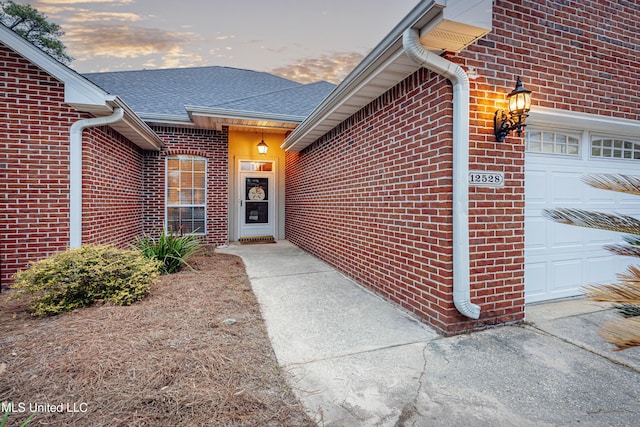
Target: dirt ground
{"points": [[168, 360]]}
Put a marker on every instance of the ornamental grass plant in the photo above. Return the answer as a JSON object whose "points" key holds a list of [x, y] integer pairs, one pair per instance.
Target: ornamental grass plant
{"points": [[172, 250]]}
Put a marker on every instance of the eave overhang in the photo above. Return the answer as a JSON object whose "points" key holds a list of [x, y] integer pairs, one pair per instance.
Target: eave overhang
{"points": [[564, 119], [83, 95], [135, 129], [387, 64], [217, 118], [171, 120]]}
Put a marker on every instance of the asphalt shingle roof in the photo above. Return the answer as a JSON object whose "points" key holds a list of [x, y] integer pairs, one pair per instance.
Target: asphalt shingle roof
{"points": [[295, 101], [167, 91]]}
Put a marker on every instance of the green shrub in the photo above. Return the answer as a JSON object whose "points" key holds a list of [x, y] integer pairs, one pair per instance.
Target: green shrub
{"points": [[79, 277], [171, 250]]}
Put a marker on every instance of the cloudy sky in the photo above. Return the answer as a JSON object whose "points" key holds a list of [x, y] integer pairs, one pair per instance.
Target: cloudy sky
{"points": [[305, 40]]}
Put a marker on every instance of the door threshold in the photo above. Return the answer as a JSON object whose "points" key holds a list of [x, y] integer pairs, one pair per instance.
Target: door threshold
{"points": [[248, 240]]}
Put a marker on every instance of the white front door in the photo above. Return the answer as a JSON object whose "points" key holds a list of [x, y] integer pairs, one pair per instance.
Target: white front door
{"points": [[560, 259], [257, 198]]}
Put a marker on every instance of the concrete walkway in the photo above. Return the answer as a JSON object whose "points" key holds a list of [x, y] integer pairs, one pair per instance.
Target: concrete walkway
{"points": [[354, 359]]}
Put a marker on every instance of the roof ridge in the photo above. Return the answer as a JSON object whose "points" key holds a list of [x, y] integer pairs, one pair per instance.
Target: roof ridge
{"points": [[153, 70]]}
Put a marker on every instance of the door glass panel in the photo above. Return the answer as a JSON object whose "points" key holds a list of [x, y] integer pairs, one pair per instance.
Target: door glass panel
{"points": [[256, 166], [257, 213], [257, 189], [257, 200]]}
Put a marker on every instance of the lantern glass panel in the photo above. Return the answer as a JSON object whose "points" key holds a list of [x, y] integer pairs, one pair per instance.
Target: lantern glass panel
{"points": [[520, 102]]}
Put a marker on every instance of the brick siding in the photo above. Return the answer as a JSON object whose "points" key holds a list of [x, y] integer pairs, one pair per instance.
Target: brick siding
{"points": [[112, 187], [123, 186], [373, 196], [210, 144], [34, 161], [34, 172]]}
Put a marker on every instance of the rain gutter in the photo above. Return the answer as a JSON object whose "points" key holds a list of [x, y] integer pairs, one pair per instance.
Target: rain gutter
{"points": [[242, 115], [75, 171], [460, 81]]}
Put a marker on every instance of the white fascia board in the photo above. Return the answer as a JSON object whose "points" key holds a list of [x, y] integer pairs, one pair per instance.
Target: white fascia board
{"points": [[83, 97], [166, 119], [241, 114], [78, 90], [565, 119], [145, 137], [372, 65]]}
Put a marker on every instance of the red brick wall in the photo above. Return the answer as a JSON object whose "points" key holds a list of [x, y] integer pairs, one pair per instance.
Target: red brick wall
{"points": [[213, 146], [373, 197], [112, 187], [575, 55], [34, 209], [580, 55], [34, 172]]}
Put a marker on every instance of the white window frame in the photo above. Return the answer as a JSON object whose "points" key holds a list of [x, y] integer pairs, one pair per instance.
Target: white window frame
{"points": [[635, 150], [557, 146], [169, 206]]}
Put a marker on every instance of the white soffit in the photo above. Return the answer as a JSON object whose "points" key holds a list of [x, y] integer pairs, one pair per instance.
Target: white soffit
{"points": [[460, 24], [216, 118]]}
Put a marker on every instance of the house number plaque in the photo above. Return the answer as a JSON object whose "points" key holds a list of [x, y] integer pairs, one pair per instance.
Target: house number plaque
{"points": [[486, 179]]}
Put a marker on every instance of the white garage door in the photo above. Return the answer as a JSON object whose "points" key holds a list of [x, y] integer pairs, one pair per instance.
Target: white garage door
{"points": [[559, 258]]}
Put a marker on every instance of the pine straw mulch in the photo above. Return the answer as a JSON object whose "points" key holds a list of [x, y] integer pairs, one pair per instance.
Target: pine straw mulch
{"points": [[168, 360]]}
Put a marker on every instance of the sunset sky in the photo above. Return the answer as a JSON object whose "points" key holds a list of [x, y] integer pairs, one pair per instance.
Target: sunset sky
{"points": [[305, 40]]}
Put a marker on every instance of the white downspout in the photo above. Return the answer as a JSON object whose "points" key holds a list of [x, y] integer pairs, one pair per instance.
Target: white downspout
{"points": [[461, 265], [75, 171]]}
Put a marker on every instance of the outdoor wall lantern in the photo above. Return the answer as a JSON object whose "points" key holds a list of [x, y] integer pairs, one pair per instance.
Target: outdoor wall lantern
{"points": [[519, 105], [262, 146]]}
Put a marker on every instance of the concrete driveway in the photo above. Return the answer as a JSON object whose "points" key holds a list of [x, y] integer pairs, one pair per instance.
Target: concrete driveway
{"points": [[354, 359]]}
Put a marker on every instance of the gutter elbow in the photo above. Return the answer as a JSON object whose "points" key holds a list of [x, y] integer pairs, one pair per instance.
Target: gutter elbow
{"points": [[413, 48], [432, 61], [78, 126], [468, 309]]}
